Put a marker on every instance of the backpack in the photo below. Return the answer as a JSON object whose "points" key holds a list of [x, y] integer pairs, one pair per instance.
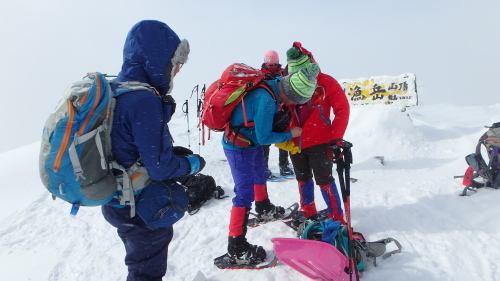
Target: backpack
{"points": [[365, 253], [76, 163], [200, 188], [223, 95], [479, 173]]}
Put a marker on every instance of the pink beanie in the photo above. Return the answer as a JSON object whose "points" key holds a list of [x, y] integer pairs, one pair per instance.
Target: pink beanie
{"points": [[271, 57]]}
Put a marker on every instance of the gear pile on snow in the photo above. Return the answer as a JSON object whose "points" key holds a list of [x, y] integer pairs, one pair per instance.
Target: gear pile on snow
{"points": [[327, 249], [479, 173]]}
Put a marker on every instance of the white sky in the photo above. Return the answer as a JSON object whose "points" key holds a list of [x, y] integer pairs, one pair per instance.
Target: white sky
{"points": [[451, 46]]}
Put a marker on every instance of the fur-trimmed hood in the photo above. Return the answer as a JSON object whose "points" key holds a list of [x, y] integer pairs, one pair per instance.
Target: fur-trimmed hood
{"points": [[151, 50]]}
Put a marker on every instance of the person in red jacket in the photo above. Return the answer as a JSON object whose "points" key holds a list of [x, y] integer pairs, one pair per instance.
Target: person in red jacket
{"points": [[308, 152]]}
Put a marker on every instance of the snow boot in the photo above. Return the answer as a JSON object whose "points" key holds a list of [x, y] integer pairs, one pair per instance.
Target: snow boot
{"points": [[242, 252], [307, 212], [270, 175], [267, 211], [286, 171]]}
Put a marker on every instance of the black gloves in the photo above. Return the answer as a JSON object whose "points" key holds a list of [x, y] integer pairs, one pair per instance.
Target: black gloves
{"points": [[181, 151]]}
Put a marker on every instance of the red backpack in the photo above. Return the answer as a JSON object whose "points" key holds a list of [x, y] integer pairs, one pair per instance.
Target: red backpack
{"points": [[223, 95]]}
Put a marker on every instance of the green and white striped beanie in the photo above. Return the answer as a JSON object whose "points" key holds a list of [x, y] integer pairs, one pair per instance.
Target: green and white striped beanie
{"points": [[296, 60], [299, 87]]}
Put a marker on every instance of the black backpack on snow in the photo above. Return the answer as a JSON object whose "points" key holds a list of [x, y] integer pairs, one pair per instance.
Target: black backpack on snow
{"points": [[200, 188]]}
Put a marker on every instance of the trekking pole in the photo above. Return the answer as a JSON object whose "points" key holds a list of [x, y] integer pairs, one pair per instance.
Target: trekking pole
{"points": [[185, 109], [198, 114], [192, 92], [339, 152]]}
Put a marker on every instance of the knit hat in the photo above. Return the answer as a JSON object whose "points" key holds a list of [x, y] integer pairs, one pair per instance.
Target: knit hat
{"points": [[271, 57], [299, 87], [296, 60]]}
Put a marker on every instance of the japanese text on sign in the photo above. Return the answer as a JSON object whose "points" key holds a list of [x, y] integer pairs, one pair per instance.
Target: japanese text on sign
{"points": [[395, 90]]}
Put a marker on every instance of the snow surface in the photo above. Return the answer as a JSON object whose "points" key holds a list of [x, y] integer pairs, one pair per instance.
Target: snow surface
{"points": [[413, 198]]}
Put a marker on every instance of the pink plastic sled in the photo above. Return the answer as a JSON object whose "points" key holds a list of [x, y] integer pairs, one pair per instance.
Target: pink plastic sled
{"points": [[315, 259]]}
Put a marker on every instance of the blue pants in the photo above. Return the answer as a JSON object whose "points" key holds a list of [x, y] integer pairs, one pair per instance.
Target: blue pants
{"points": [[248, 167], [146, 247]]}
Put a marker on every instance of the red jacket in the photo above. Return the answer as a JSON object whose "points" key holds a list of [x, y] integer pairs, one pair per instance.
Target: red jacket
{"points": [[314, 116]]}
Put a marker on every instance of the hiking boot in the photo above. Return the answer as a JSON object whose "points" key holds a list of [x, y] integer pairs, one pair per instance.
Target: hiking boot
{"points": [[268, 211], [270, 175], [242, 252], [286, 171]]}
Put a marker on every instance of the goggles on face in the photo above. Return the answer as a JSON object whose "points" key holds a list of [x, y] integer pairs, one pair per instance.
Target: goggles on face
{"points": [[273, 64]]}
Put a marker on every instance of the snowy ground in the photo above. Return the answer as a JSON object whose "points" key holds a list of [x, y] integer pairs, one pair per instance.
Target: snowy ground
{"points": [[413, 197]]}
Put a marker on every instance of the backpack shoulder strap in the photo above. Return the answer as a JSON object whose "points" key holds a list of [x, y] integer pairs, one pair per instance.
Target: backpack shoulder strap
{"points": [[233, 135], [378, 248], [125, 87], [264, 85]]}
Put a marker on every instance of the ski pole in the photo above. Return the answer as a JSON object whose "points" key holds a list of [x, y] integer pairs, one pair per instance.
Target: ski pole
{"points": [[195, 89], [339, 152], [185, 109], [198, 113]]}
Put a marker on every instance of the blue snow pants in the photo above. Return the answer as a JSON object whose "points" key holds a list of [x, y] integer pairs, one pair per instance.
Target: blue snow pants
{"points": [[248, 167], [146, 247]]}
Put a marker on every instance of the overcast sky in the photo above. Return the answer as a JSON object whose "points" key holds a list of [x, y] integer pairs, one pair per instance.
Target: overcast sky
{"points": [[450, 45]]}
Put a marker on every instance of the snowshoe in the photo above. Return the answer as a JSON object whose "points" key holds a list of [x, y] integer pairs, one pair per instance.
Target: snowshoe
{"points": [[292, 176], [298, 218], [226, 262], [277, 213], [322, 215]]}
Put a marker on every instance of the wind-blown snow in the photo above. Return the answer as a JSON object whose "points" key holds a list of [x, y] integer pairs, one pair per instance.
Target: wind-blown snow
{"points": [[413, 198]]}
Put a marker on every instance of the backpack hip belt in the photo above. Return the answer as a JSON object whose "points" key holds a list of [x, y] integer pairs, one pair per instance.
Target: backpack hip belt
{"points": [[236, 137], [132, 180]]}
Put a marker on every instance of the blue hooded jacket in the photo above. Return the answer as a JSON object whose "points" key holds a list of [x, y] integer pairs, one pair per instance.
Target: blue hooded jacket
{"points": [[140, 130]]}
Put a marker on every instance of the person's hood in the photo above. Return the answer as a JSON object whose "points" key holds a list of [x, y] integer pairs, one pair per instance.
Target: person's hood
{"points": [[150, 53]]}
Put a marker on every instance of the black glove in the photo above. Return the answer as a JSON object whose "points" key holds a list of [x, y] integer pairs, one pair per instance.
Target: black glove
{"points": [[180, 150], [281, 119]]}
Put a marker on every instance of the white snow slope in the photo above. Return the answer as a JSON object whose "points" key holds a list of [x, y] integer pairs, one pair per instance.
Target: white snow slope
{"points": [[412, 198]]}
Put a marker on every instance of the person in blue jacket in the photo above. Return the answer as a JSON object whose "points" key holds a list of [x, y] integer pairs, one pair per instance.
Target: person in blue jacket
{"points": [[153, 54], [247, 162]]}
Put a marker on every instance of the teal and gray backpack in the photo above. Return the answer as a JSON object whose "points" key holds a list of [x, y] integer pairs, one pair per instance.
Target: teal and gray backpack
{"points": [[334, 233], [75, 157]]}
